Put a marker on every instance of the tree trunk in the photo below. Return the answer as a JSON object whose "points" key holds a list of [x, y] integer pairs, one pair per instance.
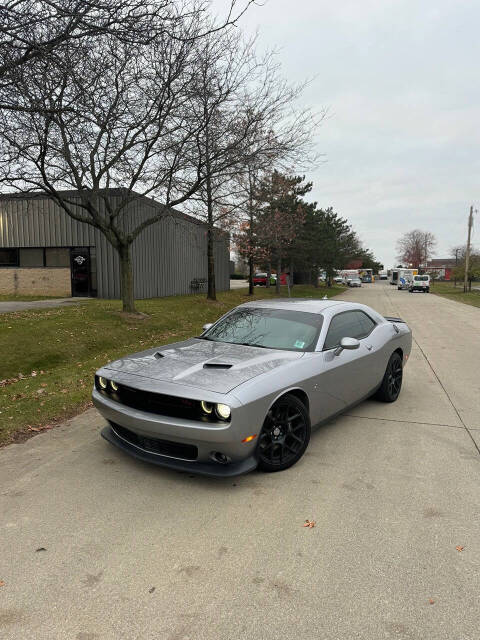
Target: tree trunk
{"points": [[126, 278], [279, 269], [211, 293], [250, 275], [269, 274], [290, 275], [314, 276]]}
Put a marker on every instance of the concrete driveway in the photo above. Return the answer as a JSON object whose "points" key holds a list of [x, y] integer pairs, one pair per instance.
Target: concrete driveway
{"points": [[18, 305], [238, 284], [97, 545]]}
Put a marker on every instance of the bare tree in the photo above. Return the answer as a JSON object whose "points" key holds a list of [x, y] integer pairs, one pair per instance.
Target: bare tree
{"points": [[416, 248], [239, 97], [118, 115], [32, 29]]}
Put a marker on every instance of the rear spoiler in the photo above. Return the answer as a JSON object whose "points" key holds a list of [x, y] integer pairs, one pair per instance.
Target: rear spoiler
{"points": [[394, 319]]}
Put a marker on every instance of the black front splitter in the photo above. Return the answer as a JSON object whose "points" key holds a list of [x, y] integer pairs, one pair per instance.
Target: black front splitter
{"points": [[212, 469]]}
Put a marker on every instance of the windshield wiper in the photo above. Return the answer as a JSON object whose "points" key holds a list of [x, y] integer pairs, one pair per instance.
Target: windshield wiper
{"points": [[252, 344]]}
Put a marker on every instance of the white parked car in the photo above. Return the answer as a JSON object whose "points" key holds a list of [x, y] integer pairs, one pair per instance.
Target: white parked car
{"points": [[420, 283]]}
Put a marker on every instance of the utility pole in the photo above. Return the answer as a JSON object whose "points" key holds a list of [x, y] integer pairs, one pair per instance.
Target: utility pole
{"points": [[467, 253], [456, 264]]}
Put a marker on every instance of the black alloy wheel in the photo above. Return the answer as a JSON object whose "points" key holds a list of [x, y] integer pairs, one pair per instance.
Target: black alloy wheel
{"points": [[392, 380], [285, 434]]}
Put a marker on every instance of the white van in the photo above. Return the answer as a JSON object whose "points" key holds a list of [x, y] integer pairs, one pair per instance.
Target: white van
{"points": [[394, 276], [420, 283], [405, 278]]}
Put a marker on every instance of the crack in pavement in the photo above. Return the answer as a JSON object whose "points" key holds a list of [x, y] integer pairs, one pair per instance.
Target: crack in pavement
{"points": [[429, 424]]}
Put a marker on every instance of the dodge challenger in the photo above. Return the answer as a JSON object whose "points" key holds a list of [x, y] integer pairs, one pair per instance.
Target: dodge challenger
{"points": [[247, 391]]}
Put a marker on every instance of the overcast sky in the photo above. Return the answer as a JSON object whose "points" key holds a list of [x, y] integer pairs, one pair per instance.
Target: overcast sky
{"points": [[401, 81]]}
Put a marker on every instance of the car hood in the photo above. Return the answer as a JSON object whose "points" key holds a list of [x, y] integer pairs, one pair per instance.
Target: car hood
{"points": [[213, 366]]}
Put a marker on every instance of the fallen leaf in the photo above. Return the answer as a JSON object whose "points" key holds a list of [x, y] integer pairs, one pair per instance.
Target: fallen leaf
{"points": [[2, 583], [309, 523], [40, 549], [459, 548], [151, 590], [430, 601]]}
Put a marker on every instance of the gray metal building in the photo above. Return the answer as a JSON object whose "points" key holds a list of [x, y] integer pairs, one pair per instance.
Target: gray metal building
{"points": [[45, 251]]}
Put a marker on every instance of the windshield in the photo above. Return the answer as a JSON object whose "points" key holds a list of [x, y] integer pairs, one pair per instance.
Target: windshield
{"points": [[421, 278], [270, 328]]}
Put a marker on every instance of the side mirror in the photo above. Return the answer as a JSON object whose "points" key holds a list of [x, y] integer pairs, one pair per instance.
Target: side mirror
{"points": [[207, 326], [347, 343]]}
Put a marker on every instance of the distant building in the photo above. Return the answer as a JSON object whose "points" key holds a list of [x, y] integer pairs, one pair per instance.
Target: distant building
{"points": [[43, 251], [441, 267]]}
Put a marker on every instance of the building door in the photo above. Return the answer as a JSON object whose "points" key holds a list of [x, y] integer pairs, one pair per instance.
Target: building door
{"points": [[80, 268]]}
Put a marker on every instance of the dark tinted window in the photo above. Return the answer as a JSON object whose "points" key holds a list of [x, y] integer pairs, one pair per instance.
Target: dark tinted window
{"points": [[8, 257], [366, 323], [31, 257], [57, 257], [350, 324], [272, 328]]}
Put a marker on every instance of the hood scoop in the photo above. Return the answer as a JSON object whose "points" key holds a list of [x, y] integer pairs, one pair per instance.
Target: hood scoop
{"points": [[217, 365]]}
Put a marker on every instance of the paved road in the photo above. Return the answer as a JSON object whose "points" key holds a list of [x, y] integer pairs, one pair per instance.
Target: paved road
{"points": [[238, 284], [10, 306], [136, 552]]}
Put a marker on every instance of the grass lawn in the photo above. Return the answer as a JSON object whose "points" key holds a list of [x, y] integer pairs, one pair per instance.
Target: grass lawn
{"points": [[49, 356], [448, 290]]}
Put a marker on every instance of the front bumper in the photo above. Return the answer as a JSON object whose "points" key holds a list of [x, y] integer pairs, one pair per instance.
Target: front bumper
{"points": [[201, 468], [225, 438]]}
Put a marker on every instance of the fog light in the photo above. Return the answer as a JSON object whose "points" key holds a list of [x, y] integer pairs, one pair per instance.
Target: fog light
{"points": [[102, 382], [207, 407], [113, 385], [223, 411], [219, 457]]}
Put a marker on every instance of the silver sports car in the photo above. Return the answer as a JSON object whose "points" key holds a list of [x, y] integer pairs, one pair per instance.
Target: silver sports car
{"points": [[246, 392]]}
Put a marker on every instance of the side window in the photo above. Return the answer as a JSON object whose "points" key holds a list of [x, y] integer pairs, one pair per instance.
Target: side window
{"points": [[341, 326], [366, 323], [349, 324]]}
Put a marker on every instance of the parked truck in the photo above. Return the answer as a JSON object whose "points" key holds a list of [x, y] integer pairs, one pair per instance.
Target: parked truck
{"points": [[405, 278]]}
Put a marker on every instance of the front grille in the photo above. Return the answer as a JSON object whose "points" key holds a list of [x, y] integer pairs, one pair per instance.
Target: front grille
{"points": [[158, 403], [154, 445]]}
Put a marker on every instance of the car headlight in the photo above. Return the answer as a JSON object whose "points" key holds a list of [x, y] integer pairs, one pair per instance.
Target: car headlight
{"points": [[223, 411], [102, 382], [207, 407], [113, 385]]}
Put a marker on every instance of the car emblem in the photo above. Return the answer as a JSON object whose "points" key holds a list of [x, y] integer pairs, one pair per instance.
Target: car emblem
{"points": [[80, 259]]}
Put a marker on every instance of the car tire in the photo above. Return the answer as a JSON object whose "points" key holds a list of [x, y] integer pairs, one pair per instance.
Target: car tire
{"points": [[427, 290], [285, 434], [392, 380]]}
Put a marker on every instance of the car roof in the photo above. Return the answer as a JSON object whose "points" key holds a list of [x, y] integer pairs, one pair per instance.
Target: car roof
{"points": [[310, 305]]}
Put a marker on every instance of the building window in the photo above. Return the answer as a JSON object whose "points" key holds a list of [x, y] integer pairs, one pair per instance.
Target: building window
{"points": [[57, 257], [8, 257], [31, 258]]}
